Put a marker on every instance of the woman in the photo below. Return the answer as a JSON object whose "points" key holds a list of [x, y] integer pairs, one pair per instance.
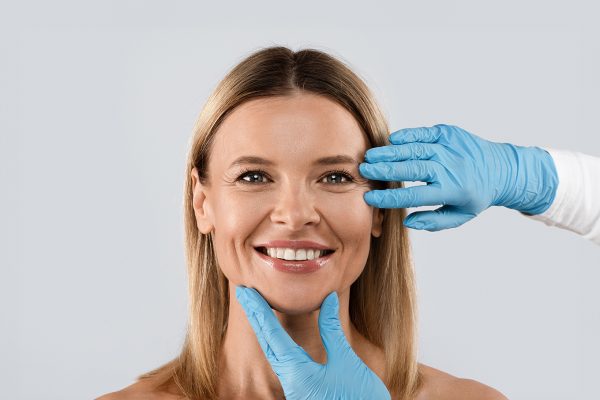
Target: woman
{"points": [[274, 159]]}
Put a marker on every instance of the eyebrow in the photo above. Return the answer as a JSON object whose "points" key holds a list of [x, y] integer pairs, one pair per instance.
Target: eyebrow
{"points": [[330, 160]]}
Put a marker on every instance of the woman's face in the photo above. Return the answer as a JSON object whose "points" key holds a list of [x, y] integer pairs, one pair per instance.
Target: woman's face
{"points": [[294, 199]]}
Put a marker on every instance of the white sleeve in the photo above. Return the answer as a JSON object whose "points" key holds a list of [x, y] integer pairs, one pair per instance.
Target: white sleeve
{"points": [[576, 206]]}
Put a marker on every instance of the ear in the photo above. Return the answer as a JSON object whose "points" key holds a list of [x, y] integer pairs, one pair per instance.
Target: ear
{"points": [[202, 208], [377, 221]]}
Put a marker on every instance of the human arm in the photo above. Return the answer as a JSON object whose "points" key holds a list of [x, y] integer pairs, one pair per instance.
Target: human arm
{"points": [[467, 174], [576, 206]]}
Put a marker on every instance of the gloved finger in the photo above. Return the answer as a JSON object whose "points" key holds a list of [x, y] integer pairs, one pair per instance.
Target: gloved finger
{"points": [[283, 346], [421, 134], [409, 170], [414, 196], [445, 217], [241, 297], [408, 151], [331, 330]]}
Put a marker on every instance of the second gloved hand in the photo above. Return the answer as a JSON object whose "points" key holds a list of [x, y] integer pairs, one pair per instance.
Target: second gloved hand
{"points": [[344, 377], [464, 173]]}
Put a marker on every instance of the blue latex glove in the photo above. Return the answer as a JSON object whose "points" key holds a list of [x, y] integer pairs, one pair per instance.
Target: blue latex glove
{"points": [[344, 377], [464, 173]]}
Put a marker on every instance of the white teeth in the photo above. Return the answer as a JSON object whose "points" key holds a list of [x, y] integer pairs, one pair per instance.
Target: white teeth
{"points": [[301, 254], [289, 254], [294, 254], [280, 253]]}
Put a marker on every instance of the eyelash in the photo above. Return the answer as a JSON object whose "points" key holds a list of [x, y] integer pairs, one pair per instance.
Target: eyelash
{"points": [[342, 172]]}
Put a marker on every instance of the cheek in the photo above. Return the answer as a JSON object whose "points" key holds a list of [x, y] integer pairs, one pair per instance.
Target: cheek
{"points": [[350, 218], [348, 215], [236, 218]]}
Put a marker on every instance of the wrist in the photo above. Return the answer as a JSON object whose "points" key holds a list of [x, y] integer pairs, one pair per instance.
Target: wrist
{"points": [[532, 187]]}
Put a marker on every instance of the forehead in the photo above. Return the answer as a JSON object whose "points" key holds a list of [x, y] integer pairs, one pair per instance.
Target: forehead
{"points": [[294, 128]]}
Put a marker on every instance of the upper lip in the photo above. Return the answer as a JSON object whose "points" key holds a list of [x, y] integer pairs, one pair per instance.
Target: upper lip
{"points": [[295, 244]]}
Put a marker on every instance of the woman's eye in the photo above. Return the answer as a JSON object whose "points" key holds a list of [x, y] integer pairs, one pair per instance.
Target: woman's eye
{"points": [[339, 175], [255, 177], [252, 174]]}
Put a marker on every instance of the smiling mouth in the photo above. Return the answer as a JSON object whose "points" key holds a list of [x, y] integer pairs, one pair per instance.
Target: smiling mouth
{"points": [[264, 251]]}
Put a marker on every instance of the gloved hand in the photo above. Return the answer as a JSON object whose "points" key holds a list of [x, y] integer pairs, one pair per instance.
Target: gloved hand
{"points": [[464, 173], [344, 377]]}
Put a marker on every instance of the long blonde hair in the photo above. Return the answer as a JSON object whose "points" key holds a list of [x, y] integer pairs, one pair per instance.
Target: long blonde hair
{"points": [[382, 299]]}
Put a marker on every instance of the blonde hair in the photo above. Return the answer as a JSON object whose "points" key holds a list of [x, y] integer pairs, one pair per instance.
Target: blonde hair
{"points": [[382, 299]]}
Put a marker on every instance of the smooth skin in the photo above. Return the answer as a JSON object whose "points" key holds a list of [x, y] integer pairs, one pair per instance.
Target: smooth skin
{"points": [[437, 385], [294, 199]]}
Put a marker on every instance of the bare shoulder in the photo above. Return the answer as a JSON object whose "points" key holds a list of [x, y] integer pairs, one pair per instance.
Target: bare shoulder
{"points": [[439, 385], [140, 390], [135, 391]]}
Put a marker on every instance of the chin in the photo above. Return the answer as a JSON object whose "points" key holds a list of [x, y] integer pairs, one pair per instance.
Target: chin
{"points": [[294, 300]]}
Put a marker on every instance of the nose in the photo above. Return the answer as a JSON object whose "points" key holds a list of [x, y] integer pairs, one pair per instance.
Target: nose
{"points": [[294, 207]]}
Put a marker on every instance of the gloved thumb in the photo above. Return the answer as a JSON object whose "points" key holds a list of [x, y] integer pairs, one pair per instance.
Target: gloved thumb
{"points": [[445, 217], [330, 329]]}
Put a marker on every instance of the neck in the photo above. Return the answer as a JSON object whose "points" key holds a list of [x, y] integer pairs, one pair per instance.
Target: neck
{"points": [[244, 368]]}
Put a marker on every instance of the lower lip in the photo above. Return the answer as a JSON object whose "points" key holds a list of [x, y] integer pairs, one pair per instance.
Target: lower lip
{"points": [[295, 266]]}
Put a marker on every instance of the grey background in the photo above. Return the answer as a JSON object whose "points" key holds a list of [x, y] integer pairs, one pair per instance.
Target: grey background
{"points": [[98, 100]]}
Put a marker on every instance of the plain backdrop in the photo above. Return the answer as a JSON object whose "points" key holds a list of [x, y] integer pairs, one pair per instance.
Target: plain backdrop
{"points": [[98, 101]]}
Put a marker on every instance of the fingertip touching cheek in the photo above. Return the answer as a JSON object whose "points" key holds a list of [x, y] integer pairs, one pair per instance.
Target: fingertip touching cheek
{"points": [[285, 170]]}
